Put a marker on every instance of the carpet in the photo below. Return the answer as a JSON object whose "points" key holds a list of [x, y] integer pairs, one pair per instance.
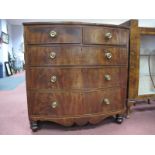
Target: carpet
{"points": [[11, 82], [14, 119]]}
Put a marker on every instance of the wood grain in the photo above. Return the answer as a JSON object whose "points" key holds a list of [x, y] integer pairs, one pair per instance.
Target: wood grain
{"points": [[77, 55], [80, 66], [74, 104], [147, 31], [134, 59], [40, 34], [135, 34], [75, 78], [96, 35]]}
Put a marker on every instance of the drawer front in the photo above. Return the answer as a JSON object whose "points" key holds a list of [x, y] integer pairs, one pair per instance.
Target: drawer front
{"points": [[76, 103], [61, 55], [105, 55], [102, 35], [57, 103], [76, 55], [108, 100], [74, 78], [52, 34]]}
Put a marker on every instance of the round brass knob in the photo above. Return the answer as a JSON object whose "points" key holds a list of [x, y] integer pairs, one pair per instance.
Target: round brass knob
{"points": [[107, 77], [108, 55], [106, 101], [53, 79], [108, 35], [54, 104], [52, 55], [53, 34]]}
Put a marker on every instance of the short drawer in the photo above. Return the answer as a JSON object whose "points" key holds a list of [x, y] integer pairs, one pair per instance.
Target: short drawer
{"points": [[52, 34], [75, 78], [105, 55], [76, 55], [103, 35], [76, 103]]}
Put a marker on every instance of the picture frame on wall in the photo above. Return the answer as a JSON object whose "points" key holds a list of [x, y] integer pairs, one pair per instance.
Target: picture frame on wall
{"points": [[5, 38], [8, 69]]}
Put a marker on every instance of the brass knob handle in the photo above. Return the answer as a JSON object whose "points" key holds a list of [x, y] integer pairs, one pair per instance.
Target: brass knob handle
{"points": [[107, 77], [53, 79], [108, 55], [106, 101], [53, 34], [108, 35], [52, 55], [54, 104]]}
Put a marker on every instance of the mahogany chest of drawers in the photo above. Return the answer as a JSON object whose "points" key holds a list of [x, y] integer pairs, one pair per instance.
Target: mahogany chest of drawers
{"points": [[75, 72]]}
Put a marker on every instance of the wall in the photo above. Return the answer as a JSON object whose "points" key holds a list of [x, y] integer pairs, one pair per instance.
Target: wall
{"points": [[4, 47], [16, 47], [15, 41], [10, 38], [17, 37], [1, 56], [146, 22]]}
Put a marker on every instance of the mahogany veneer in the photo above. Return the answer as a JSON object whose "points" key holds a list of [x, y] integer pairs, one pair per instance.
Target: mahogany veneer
{"points": [[75, 72]]}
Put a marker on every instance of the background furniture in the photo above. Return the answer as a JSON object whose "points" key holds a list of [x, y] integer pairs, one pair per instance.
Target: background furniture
{"points": [[75, 72], [141, 85]]}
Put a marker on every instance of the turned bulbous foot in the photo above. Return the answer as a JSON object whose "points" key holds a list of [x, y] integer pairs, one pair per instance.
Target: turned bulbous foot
{"points": [[34, 126], [119, 119]]}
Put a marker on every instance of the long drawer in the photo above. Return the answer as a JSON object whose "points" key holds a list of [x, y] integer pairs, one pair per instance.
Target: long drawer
{"points": [[52, 34], [76, 103], [104, 35], [76, 55], [76, 78]]}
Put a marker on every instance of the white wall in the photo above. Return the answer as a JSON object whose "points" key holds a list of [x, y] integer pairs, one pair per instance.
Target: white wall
{"points": [[4, 47], [17, 37], [10, 39], [15, 41], [146, 22], [1, 56]]}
